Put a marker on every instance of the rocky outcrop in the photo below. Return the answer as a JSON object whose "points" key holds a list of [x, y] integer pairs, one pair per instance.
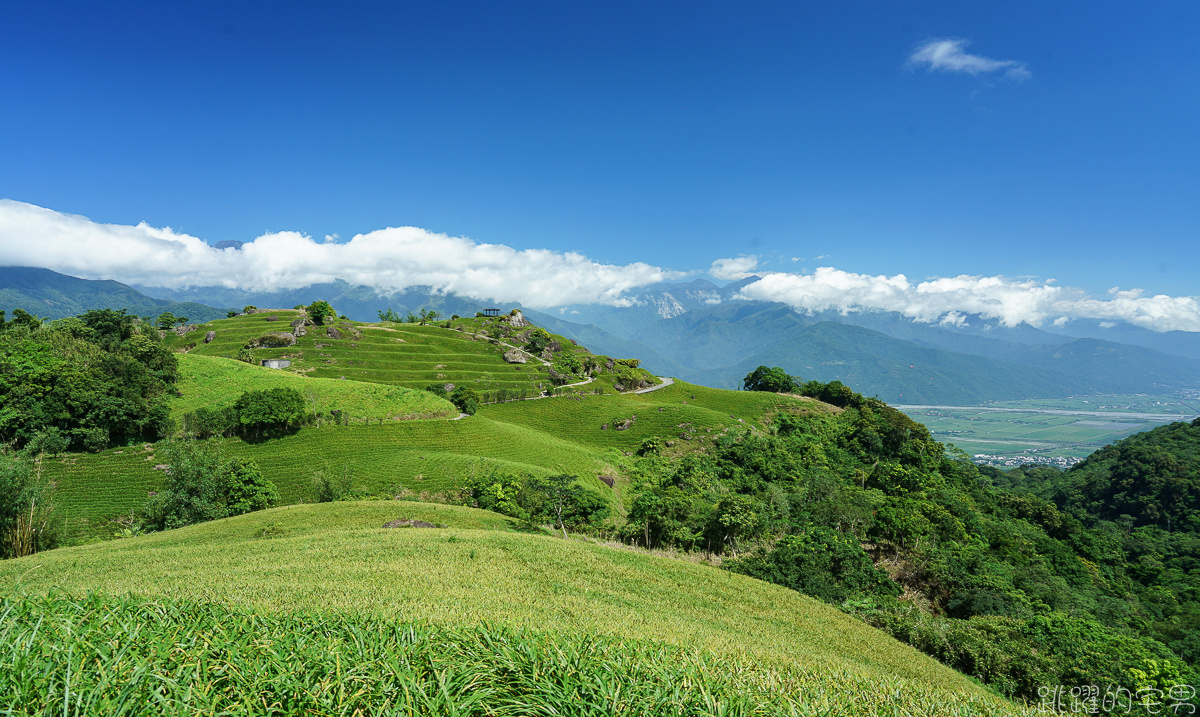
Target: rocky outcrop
{"points": [[181, 330], [408, 523], [517, 320], [272, 318], [514, 356], [333, 333], [208, 338]]}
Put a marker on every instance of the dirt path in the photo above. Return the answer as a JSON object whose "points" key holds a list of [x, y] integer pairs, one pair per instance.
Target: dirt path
{"points": [[665, 382]]}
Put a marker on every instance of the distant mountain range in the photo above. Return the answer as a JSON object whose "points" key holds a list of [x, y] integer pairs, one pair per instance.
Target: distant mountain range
{"points": [[51, 295], [701, 332]]}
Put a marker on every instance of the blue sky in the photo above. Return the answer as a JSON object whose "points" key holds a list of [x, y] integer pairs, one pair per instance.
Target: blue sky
{"points": [[1054, 140]]}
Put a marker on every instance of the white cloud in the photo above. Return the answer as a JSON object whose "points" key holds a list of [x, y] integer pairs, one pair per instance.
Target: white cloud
{"points": [[738, 268], [949, 300], [949, 55], [387, 259]]}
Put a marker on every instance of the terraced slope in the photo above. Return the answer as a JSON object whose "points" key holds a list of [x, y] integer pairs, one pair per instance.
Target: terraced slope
{"points": [[572, 434], [470, 352], [335, 559], [213, 382]]}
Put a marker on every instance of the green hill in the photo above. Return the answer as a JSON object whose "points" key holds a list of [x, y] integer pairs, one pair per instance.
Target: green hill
{"points": [[757, 643], [213, 382], [468, 351], [51, 295], [431, 457]]}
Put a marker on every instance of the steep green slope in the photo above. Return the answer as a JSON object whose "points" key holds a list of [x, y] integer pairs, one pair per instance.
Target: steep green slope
{"points": [[213, 382], [336, 558], [465, 352], [544, 436]]}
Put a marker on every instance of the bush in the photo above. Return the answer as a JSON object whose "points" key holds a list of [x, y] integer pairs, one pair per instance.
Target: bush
{"points": [[819, 562], [271, 410], [466, 399], [209, 422], [538, 341], [318, 311], [775, 380], [203, 486], [25, 525]]}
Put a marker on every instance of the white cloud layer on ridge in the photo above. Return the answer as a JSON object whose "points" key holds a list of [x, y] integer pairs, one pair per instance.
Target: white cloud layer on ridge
{"points": [[387, 259], [733, 269], [948, 300], [950, 55]]}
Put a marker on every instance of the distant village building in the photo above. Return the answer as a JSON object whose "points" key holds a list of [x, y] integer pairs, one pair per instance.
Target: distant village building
{"points": [[276, 363]]}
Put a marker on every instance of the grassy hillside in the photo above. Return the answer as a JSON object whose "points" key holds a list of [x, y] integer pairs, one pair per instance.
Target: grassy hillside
{"points": [[544, 436], [334, 561], [211, 382], [470, 352]]}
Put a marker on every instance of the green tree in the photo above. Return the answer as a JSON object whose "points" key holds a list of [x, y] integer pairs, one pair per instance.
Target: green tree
{"points": [[537, 342], [165, 321], [319, 311], [389, 315], [466, 399], [561, 493], [774, 380], [25, 513], [270, 410], [203, 486]]}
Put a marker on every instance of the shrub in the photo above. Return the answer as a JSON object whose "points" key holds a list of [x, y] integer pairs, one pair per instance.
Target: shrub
{"points": [[203, 486], [25, 513], [270, 410], [819, 562], [318, 311], [466, 399]]}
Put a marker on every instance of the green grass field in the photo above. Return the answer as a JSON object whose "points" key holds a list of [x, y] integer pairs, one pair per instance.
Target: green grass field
{"points": [[409, 355], [211, 382], [334, 562], [431, 457]]}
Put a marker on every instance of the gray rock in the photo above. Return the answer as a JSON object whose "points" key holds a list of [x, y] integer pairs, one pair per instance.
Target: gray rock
{"points": [[333, 333], [514, 356], [518, 321], [272, 318], [208, 338]]}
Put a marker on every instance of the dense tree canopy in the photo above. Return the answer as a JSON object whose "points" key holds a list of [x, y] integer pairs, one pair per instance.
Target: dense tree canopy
{"points": [[97, 380]]}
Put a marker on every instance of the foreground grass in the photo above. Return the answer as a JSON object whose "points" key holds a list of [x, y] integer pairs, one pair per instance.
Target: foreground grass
{"points": [[128, 656], [334, 559]]}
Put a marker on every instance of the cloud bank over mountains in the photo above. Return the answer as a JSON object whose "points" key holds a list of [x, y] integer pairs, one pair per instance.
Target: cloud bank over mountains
{"points": [[948, 300], [392, 259], [388, 260]]}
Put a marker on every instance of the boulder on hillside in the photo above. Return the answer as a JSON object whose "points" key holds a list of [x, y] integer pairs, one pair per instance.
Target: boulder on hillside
{"points": [[514, 356], [609, 364], [333, 333], [272, 318], [208, 338], [517, 320], [546, 355], [408, 523], [554, 346], [274, 340], [181, 330]]}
